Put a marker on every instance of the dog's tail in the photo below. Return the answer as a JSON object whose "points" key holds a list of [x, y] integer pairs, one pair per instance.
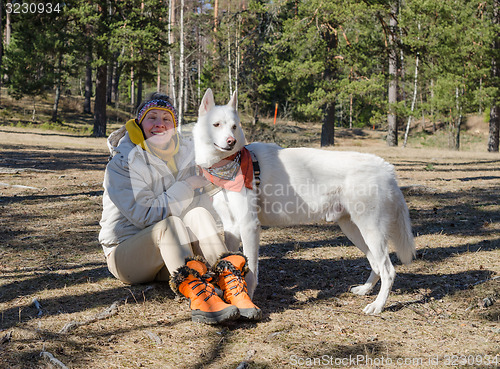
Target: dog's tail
{"points": [[401, 233]]}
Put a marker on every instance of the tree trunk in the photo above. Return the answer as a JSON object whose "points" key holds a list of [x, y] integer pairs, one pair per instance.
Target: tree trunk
{"points": [[115, 82], [180, 105], [434, 127], [88, 81], [7, 29], [493, 140], [216, 15], [455, 124], [392, 131], [56, 100], [328, 127], [186, 90], [171, 22], [140, 86], [58, 89], [1, 42], [413, 101], [132, 88], [230, 78], [100, 102], [109, 84], [198, 91], [158, 73], [33, 114], [350, 110]]}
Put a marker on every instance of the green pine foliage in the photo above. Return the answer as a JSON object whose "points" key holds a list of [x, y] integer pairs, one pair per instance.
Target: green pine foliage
{"points": [[318, 60]]}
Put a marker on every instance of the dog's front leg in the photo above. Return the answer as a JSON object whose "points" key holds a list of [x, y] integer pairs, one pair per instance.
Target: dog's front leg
{"points": [[250, 235], [238, 212], [231, 227]]}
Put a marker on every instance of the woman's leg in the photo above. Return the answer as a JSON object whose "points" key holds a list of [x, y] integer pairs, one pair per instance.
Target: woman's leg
{"points": [[141, 258], [204, 236]]}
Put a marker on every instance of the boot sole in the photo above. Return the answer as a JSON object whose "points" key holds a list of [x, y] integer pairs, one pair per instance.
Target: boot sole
{"points": [[229, 313], [250, 314]]}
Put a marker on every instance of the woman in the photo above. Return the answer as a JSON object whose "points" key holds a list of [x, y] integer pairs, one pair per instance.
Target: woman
{"points": [[154, 224]]}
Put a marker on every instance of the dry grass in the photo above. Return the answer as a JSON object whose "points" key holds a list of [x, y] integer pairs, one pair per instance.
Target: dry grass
{"points": [[439, 306]]}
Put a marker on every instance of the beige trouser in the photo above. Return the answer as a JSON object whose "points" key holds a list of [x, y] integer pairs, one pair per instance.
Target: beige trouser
{"points": [[157, 251]]}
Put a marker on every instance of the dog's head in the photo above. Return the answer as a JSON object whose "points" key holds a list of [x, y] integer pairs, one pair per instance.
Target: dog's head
{"points": [[218, 133]]}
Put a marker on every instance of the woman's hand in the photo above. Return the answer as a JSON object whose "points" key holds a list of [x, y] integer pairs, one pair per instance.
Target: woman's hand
{"points": [[196, 182]]}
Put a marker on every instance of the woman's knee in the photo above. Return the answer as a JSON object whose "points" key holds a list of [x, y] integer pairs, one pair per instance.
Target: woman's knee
{"points": [[168, 223], [198, 213]]}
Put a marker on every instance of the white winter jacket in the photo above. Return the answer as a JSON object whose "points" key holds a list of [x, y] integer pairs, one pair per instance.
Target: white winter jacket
{"points": [[140, 190]]}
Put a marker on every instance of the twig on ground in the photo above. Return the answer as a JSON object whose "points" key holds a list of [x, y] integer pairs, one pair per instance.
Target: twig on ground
{"points": [[486, 280], [19, 186], [48, 356], [154, 337], [417, 188], [6, 170], [38, 306], [110, 311], [6, 338]]}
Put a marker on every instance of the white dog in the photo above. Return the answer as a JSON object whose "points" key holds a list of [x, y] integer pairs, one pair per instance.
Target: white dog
{"points": [[300, 186]]}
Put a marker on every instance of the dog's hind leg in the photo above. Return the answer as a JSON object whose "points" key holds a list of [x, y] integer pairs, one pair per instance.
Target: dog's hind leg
{"points": [[387, 275], [352, 232], [375, 239]]}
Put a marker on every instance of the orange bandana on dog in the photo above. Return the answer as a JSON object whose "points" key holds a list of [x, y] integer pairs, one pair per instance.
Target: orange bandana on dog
{"points": [[233, 172]]}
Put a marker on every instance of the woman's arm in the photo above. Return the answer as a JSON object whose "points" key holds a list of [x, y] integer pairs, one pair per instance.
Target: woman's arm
{"points": [[134, 197]]}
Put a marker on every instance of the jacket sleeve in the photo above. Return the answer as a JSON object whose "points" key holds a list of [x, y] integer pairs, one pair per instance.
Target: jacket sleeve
{"points": [[132, 194]]}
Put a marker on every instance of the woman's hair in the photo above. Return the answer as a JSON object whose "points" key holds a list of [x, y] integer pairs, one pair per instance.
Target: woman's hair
{"points": [[154, 96]]}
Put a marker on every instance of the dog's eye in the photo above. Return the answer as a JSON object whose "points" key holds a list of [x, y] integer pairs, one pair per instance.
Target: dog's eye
{"points": [[234, 127], [216, 124]]}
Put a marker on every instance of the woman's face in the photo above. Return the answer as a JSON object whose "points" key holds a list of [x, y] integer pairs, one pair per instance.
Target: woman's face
{"points": [[158, 126]]}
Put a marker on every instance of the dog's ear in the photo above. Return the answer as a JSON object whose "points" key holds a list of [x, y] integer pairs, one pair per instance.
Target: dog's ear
{"points": [[207, 103], [233, 103]]}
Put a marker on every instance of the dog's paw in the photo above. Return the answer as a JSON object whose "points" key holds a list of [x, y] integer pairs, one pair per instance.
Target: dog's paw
{"points": [[373, 308], [361, 290]]}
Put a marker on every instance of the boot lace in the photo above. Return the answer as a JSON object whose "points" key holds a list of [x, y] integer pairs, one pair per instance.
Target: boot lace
{"points": [[236, 284], [208, 287]]}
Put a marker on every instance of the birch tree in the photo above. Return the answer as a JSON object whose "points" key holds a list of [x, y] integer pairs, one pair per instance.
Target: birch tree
{"points": [[392, 93], [180, 104]]}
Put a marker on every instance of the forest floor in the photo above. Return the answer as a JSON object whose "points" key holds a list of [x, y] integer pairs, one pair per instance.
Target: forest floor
{"points": [[443, 312]]}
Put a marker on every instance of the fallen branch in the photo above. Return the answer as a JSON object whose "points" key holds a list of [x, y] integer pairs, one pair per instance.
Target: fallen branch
{"points": [[110, 311], [38, 306], [48, 356], [6, 170], [6, 338], [154, 337], [486, 280], [416, 188], [19, 186]]}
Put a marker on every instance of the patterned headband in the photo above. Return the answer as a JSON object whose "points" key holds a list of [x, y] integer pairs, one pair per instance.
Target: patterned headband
{"points": [[157, 104]]}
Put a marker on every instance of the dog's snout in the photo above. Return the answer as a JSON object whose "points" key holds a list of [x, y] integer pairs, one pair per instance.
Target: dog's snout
{"points": [[231, 141]]}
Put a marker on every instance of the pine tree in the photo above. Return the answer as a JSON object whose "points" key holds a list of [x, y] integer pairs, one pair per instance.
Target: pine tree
{"points": [[494, 124]]}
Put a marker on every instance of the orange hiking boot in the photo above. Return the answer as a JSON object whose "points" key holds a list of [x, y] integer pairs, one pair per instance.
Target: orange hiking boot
{"points": [[193, 282], [230, 272]]}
